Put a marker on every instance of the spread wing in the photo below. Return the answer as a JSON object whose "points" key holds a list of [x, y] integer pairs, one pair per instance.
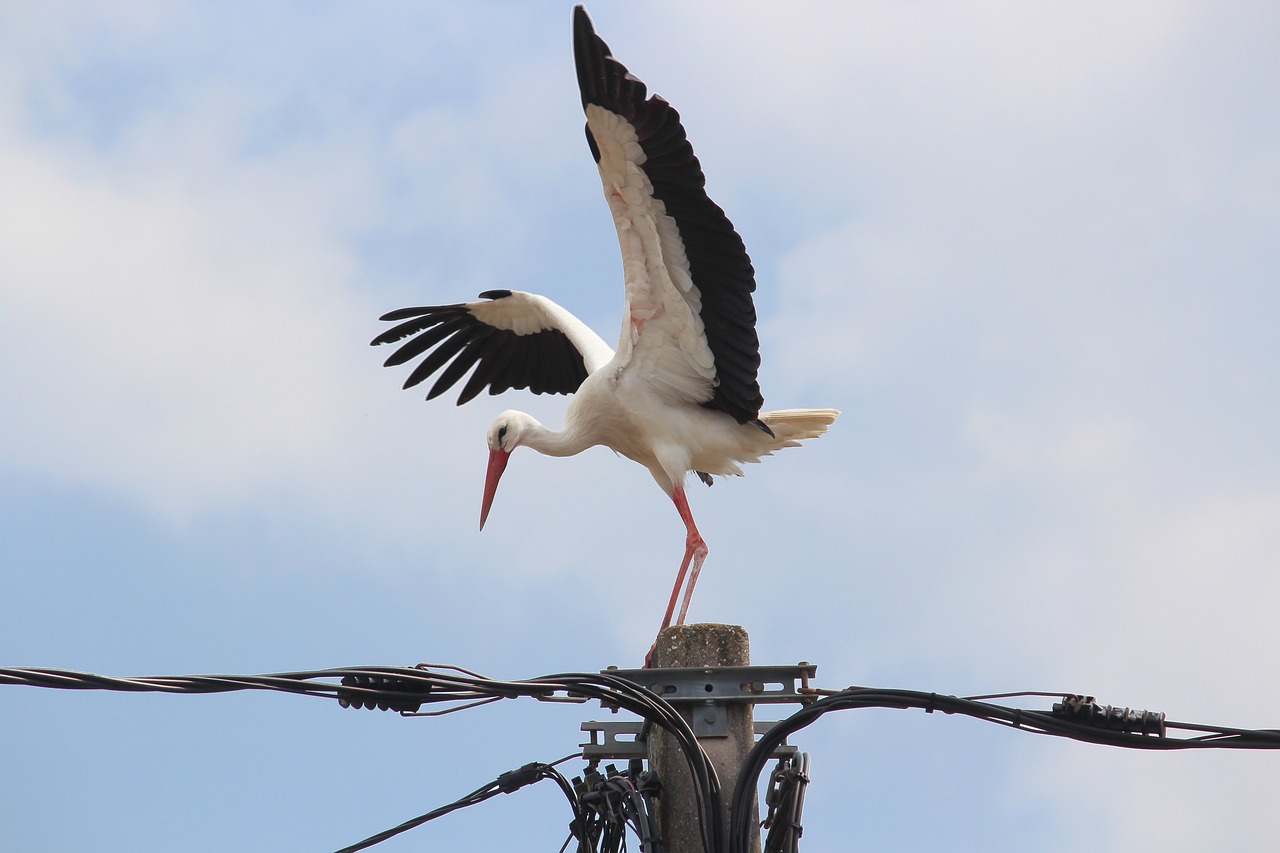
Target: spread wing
{"points": [[514, 339], [690, 323]]}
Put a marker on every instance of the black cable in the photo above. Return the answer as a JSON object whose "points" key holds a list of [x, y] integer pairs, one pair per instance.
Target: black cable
{"points": [[477, 796], [509, 782], [614, 801], [406, 689], [1097, 724], [648, 789], [650, 706], [786, 804]]}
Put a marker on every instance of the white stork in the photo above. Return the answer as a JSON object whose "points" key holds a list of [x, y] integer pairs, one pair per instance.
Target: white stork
{"points": [[680, 395]]}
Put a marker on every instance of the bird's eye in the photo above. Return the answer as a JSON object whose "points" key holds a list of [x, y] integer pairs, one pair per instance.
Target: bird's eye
{"points": [[502, 434]]}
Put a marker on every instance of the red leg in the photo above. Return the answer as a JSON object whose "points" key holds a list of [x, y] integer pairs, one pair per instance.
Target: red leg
{"points": [[675, 593], [699, 555], [695, 551]]}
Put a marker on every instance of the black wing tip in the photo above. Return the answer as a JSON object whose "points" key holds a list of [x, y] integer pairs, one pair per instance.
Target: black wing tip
{"points": [[583, 28], [390, 336], [495, 294], [403, 314], [592, 59]]}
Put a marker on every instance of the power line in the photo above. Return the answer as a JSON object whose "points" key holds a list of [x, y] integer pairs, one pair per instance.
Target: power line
{"points": [[608, 801], [507, 783], [1076, 717], [407, 689]]}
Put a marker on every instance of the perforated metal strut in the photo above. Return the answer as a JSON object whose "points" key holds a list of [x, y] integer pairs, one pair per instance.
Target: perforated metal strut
{"points": [[706, 691]]}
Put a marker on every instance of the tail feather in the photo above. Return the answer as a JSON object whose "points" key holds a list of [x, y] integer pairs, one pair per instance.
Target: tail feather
{"points": [[792, 426]]}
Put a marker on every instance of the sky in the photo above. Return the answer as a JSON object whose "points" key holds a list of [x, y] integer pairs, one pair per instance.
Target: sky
{"points": [[1029, 250]]}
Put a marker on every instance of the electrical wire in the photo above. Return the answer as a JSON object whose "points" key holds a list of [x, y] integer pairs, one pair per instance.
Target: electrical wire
{"points": [[1076, 717], [406, 689], [614, 801], [507, 783], [661, 713], [786, 804], [477, 796]]}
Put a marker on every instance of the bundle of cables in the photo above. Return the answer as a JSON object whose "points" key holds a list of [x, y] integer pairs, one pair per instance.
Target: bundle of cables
{"points": [[407, 689], [785, 802], [614, 801], [1074, 716], [605, 804]]}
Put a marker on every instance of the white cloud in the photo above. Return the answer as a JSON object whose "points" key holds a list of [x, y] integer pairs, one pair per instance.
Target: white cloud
{"points": [[160, 339], [1030, 253], [187, 301]]}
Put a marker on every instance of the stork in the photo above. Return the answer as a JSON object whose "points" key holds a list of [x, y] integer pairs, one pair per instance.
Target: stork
{"points": [[680, 395]]}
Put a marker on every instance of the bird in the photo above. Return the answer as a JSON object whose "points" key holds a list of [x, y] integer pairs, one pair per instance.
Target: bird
{"points": [[680, 395]]}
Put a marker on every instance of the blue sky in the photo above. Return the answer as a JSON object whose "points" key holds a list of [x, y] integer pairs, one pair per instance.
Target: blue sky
{"points": [[1028, 249]]}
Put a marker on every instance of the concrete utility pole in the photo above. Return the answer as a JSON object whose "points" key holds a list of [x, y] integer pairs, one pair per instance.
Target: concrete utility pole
{"points": [[704, 672], [731, 731]]}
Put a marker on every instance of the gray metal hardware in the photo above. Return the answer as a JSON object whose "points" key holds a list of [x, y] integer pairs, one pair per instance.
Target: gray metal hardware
{"points": [[625, 740], [698, 685]]}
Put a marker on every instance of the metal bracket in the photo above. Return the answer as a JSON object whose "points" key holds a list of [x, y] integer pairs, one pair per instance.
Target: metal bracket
{"points": [[701, 684], [625, 740], [619, 740], [705, 691]]}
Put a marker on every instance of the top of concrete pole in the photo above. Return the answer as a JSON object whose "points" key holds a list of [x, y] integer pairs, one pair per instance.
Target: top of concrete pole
{"points": [[699, 646], [702, 645]]}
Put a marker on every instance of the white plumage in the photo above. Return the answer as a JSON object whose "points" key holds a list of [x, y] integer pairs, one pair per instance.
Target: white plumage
{"points": [[680, 394]]}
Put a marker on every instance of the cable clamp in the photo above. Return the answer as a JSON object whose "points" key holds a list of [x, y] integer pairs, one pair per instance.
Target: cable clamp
{"points": [[1087, 711], [514, 780], [368, 688]]}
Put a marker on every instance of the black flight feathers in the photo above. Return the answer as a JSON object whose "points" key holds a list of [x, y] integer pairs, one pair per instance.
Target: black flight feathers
{"points": [[545, 362]]}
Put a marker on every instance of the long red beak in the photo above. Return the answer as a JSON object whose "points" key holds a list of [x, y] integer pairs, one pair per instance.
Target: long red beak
{"points": [[497, 464]]}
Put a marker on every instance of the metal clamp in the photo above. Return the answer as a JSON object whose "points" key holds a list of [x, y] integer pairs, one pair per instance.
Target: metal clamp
{"points": [[705, 692], [699, 684], [625, 740]]}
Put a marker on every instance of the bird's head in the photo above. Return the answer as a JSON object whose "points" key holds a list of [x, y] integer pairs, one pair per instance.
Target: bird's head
{"points": [[506, 433]]}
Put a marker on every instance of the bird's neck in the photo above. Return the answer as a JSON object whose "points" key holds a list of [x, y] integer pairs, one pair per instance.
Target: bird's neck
{"points": [[565, 442]]}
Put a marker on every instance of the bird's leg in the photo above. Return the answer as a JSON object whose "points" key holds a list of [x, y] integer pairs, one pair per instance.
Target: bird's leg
{"points": [[695, 551], [675, 592], [699, 554]]}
